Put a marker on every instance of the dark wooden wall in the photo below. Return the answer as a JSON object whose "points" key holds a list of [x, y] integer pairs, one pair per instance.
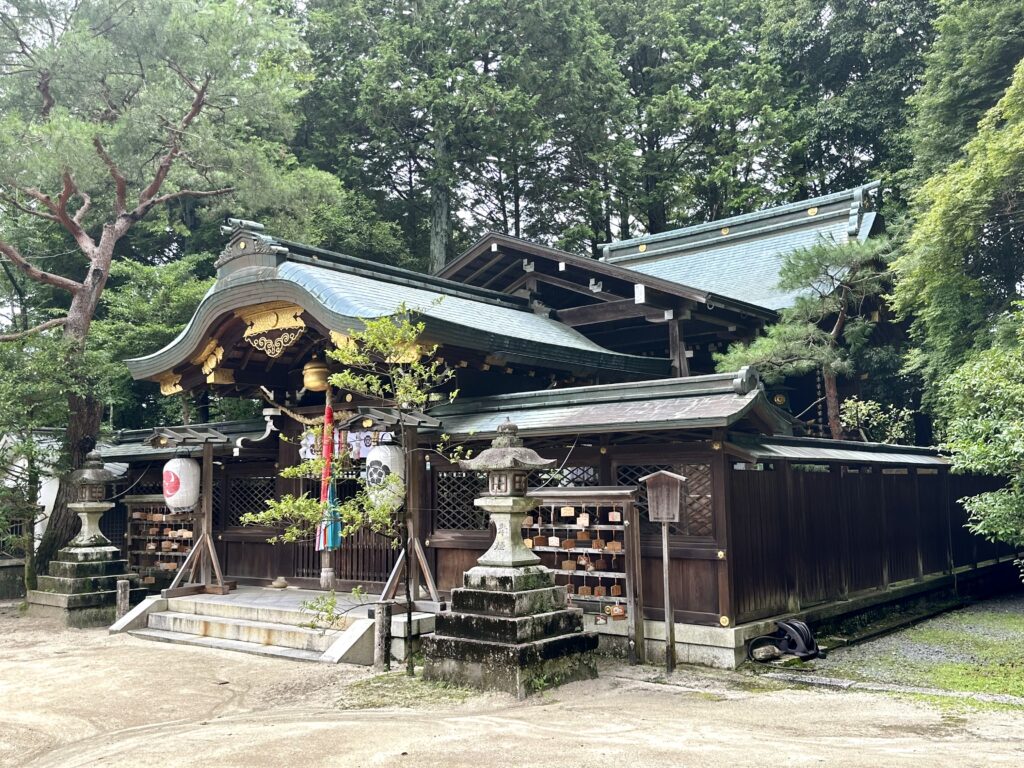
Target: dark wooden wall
{"points": [[803, 538]]}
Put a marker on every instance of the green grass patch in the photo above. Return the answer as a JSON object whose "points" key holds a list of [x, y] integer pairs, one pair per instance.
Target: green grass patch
{"points": [[952, 708], [396, 689], [1002, 677]]}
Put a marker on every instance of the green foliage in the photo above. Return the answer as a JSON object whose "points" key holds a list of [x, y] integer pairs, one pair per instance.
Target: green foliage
{"points": [[385, 360], [981, 403], [827, 322], [847, 68], [960, 269], [876, 422], [967, 71], [324, 608]]}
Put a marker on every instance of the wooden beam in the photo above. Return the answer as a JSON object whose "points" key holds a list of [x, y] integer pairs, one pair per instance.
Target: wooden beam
{"points": [[490, 263], [574, 287], [622, 309]]}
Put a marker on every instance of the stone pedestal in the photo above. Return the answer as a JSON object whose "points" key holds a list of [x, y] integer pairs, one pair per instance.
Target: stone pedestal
{"points": [[509, 630], [81, 588]]}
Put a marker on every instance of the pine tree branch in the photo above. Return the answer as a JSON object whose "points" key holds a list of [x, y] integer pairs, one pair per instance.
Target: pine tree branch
{"points": [[56, 322], [149, 196], [120, 183], [34, 273], [191, 193]]}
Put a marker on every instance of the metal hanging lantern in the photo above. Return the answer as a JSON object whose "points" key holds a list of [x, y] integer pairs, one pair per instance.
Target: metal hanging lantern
{"points": [[314, 375], [181, 484], [382, 462]]}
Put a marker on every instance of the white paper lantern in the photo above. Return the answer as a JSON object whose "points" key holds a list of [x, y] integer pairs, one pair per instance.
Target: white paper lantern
{"points": [[181, 484], [381, 462]]}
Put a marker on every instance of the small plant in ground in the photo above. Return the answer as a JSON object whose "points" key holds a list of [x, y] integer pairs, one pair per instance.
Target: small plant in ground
{"points": [[325, 611]]}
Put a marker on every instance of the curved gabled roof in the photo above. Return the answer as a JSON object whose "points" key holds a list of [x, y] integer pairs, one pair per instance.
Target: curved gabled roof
{"points": [[339, 292]]}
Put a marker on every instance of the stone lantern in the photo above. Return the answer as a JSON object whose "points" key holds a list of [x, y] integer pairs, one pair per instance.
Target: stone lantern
{"points": [[509, 628], [508, 465], [80, 587], [89, 489]]}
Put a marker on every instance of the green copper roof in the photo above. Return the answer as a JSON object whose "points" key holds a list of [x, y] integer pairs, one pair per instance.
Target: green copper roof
{"points": [[695, 402], [740, 257], [340, 291]]}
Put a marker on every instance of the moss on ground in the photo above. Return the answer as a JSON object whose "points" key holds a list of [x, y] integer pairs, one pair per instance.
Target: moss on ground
{"points": [[979, 649], [396, 689]]}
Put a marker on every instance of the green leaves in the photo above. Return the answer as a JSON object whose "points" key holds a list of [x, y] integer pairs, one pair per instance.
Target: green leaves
{"points": [[960, 268], [981, 404], [386, 360]]}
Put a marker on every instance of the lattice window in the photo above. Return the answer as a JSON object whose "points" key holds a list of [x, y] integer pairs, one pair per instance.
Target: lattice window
{"points": [[248, 494], [565, 477], [454, 492], [696, 518]]}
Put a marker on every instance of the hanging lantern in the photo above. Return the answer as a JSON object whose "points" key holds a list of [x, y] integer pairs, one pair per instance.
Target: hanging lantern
{"points": [[181, 484], [381, 462], [314, 375]]}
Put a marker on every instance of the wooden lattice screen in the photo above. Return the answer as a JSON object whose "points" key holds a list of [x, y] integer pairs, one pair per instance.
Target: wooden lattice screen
{"points": [[696, 516], [456, 489]]}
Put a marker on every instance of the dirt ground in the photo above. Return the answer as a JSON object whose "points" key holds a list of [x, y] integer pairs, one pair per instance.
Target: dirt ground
{"points": [[85, 698]]}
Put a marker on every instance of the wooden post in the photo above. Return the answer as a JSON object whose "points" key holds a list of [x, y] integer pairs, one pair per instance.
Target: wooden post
{"points": [[670, 624], [206, 574], [382, 636], [677, 349], [412, 498], [326, 569], [123, 587], [634, 586], [412, 579]]}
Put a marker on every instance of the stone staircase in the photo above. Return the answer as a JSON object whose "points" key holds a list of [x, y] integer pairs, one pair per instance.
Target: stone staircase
{"points": [[262, 622]]}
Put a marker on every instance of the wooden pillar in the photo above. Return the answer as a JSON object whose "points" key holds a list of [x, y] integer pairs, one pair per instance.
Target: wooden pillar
{"points": [[793, 539], [720, 483], [677, 349], [919, 528], [413, 506], [207, 522], [327, 578]]}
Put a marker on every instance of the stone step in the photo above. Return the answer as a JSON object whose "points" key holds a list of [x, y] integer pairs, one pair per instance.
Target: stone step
{"points": [[230, 609], [244, 630], [183, 638], [77, 585]]}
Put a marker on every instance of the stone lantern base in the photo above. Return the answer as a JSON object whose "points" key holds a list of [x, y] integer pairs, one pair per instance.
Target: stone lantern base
{"points": [[509, 630], [81, 588]]}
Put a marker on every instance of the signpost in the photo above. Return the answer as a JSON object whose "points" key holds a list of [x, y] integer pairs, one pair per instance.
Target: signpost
{"points": [[664, 501]]}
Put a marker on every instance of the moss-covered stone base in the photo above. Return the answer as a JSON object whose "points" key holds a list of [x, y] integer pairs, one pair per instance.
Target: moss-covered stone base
{"points": [[95, 616], [498, 674], [12, 579]]}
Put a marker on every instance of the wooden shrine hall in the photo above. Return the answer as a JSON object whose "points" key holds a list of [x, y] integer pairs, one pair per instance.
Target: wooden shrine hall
{"points": [[605, 366]]}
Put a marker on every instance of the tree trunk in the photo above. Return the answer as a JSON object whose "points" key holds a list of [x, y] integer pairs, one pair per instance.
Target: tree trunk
{"points": [[440, 204], [84, 416], [85, 413], [29, 523], [832, 405]]}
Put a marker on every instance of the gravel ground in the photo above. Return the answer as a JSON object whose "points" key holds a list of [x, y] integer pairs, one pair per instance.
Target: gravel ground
{"points": [[978, 648]]}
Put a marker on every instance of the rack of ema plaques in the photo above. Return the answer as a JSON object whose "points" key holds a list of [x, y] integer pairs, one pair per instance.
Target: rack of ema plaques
{"points": [[158, 541], [590, 538]]}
